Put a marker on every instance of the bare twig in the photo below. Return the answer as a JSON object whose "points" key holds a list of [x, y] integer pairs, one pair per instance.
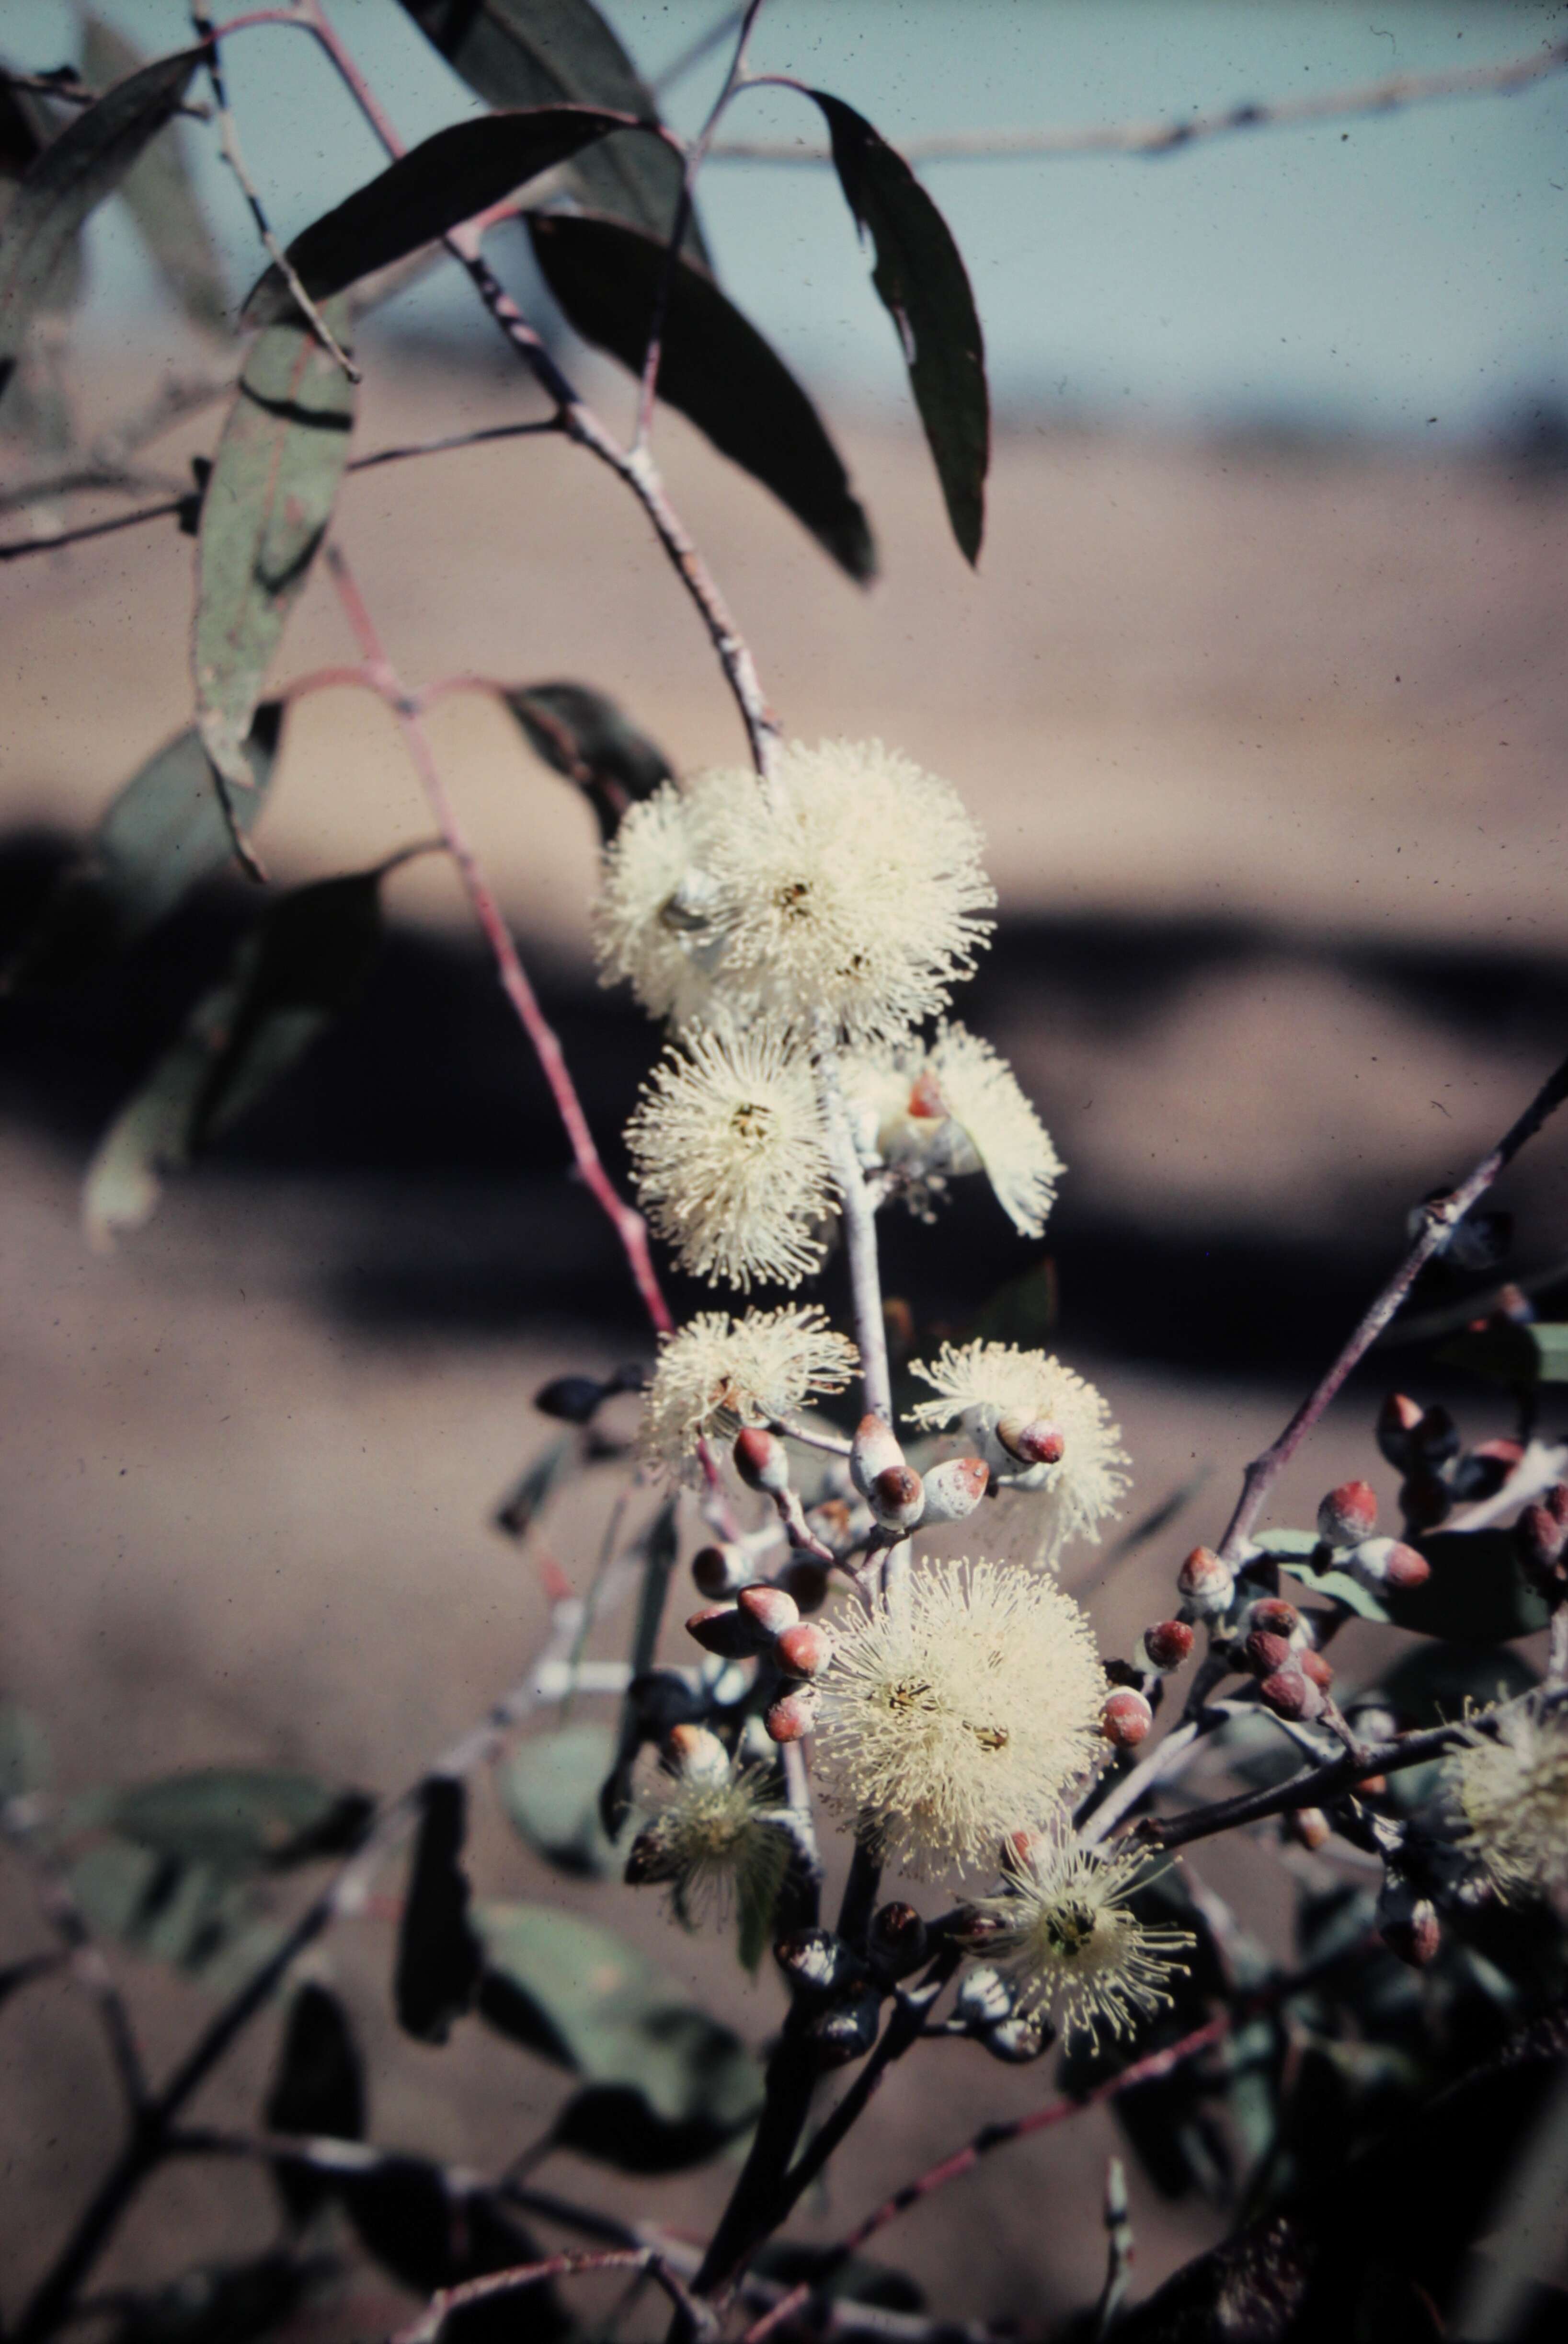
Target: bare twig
{"points": [[1118, 2248], [16, 548], [1385, 96], [693, 2319], [21, 1821]]}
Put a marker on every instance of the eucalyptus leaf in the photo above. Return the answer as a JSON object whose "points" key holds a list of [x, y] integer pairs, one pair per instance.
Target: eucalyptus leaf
{"points": [[716, 368], [1478, 1592], [239, 1819], [263, 517], [439, 1956], [160, 194], [318, 2088], [1433, 1685], [585, 736], [223, 2303], [1288, 1545], [200, 1919], [407, 2217], [550, 1790], [617, 2126], [28, 125], [1364, 1601]]}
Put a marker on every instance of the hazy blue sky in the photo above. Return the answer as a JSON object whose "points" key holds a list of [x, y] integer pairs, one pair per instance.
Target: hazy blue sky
{"points": [[1411, 268]]}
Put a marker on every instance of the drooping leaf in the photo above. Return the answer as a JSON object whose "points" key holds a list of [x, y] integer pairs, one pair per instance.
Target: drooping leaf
{"points": [[437, 184], [24, 1752], [28, 125], [1477, 1595], [716, 368], [158, 191], [550, 52], [407, 2218], [263, 517], [200, 1919], [239, 1820], [69, 178], [549, 1789], [439, 1956], [224, 2303], [925, 288], [318, 2087], [1343, 1589], [305, 963], [661, 1546], [586, 736], [587, 2000], [1433, 1685], [164, 833], [532, 1492], [616, 2125]]}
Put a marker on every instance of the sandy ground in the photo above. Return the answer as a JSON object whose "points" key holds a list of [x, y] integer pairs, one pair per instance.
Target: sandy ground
{"points": [[1307, 713]]}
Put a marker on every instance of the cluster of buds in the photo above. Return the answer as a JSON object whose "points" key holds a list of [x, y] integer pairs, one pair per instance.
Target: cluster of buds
{"points": [[723, 1570], [1273, 1643], [899, 1499], [765, 1618], [1130, 1712], [1346, 1526], [1541, 1535], [1424, 1446], [838, 1988], [986, 2010]]}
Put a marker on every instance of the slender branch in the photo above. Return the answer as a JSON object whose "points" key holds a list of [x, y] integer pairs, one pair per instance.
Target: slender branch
{"points": [[16, 548], [68, 90], [1386, 96], [83, 480], [20, 1822], [693, 2318], [454, 439], [860, 1238]]}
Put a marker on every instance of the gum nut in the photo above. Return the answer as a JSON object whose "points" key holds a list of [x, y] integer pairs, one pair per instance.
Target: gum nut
{"points": [[1265, 1654], [1425, 1500], [723, 1629], [719, 1570], [1275, 1617], [1397, 1420], [1205, 1583], [1308, 1826], [1348, 1514], [873, 1448], [696, 1754], [806, 1581], [790, 1718], [769, 1607], [955, 1489], [762, 1461], [1019, 2040], [1315, 1669], [897, 1498], [1291, 1694], [1126, 1719], [977, 1930], [1033, 1440], [649, 1860], [985, 1997], [805, 1650], [896, 1940], [1168, 1644]]}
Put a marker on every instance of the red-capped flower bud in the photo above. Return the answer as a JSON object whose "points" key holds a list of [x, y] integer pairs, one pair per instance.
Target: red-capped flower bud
{"points": [[925, 1100], [897, 1496], [873, 1448], [1348, 1514], [1372, 1786], [720, 1628], [719, 1570], [791, 1715], [1016, 1849], [762, 1461], [1126, 1719], [1308, 1826], [1315, 1667], [955, 1489], [1265, 1654], [1032, 1440], [1205, 1584], [1166, 1646], [1408, 1923], [805, 1650], [696, 1754], [806, 1581], [768, 1608], [1018, 2039], [977, 1930], [1425, 1500], [1397, 1420], [1388, 1562], [896, 1940], [1291, 1694], [1275, 1617]]}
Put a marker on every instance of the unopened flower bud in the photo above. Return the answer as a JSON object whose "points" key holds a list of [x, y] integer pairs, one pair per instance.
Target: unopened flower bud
{"points": [[817, 1961], [897, 1942], [1397, 1420], [1482, 1471], [985, 1997], [1348, 1514], [1425, 1500], [1408, 1923], [805, 1650], [791, 1717], [897, 1496], [1388, 1562], [955, 1489], [1126, 1719], [806, 1581], [1033, 1440], [1372, 1786], [1205, 1584], [762, 1461], [1556, 1501], [724, 1629], [1275, 1617], [873, 1448], [1291, 1694], [696, 1755], [1315, 1667], [1308, 1826], [719, 1570], [1435, 1440], [1166, 1646], [770, 1608], [1017, 2039], [1265, 1654], [650, 1859], [847, 2030], [1539, 1537]]}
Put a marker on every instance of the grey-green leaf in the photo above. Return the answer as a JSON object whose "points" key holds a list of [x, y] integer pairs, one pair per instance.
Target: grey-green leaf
{"points": [[588, 738], [161, 198], [239, 1819], [264, 513], [72, 176], [926, 290], [550, 52], [446, 179], [549, 1789], [164, 833], [1478, 1592]]}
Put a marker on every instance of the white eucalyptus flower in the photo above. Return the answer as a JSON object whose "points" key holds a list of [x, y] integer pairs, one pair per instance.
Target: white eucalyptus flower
{"points": [[934, 1112], [993, 1391], [1075, 1950], [1513, 1791], [717, 1373], [649, 927]]}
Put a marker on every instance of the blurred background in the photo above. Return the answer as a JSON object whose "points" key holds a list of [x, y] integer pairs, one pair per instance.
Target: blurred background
{"points": [[1259, 695]]}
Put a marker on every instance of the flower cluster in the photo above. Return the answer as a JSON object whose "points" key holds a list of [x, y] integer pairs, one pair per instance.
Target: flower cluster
{"points": [[713, 1838], [1037, 1425], [719, 1373], [933, 1112]]}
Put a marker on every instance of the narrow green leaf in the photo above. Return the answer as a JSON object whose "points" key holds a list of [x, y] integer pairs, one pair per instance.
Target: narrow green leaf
{"points": [[585, 735], [72, 176], [661, 1548], [550, 1790], [162, 834], [318, 2087], [716, 368], [439, 1955], [161, 198], [432, 189], [531, 1492], [263, 518], [550, 52], [1343, 1589], [926, 290], [1288, 1546]]}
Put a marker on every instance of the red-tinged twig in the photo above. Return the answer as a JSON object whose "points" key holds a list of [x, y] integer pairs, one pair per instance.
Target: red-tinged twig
{"points": [[990, 2136], [629, 1225], [693, 2319], [20, 1822], [1386, 96]]}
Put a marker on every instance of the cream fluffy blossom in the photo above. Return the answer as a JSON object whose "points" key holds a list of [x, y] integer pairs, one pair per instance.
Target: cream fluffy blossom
{"points": [[957, 1715], [983, 1385], [938, 1111], [845, 888], [719, 1373], [1513, 1793], [730, 1160], [712, 1841], [1073, 1947]]}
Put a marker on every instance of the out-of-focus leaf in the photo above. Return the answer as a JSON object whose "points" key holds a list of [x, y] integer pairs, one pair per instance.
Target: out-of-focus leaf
{"points": [[1287, 1546], [318, 2087], [199, 1918], [17, 1974], [71, 177], [925, 288], [615, 2125], [164, 833], [224, 2303], [1433, 1685], [264, 513], [446, 179], [659, 1546], [24, 1752], [238, 1819], [587, 2000], [306, 962], [545, 52], [1024, 1311], [408, 2220], [1508, 1353], [27, 127], [439, 1955], [716, 368], [585, 735], [840, 2279], [756, 1899], [158, 191], [1477, 1595], [518, 1509], [1362, 1600], [549, 1789]]}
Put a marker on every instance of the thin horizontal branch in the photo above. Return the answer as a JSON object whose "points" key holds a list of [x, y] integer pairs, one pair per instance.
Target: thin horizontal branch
{"points": [[21, 1824], [65, 87], [693, 2318], [1389, 96]]}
